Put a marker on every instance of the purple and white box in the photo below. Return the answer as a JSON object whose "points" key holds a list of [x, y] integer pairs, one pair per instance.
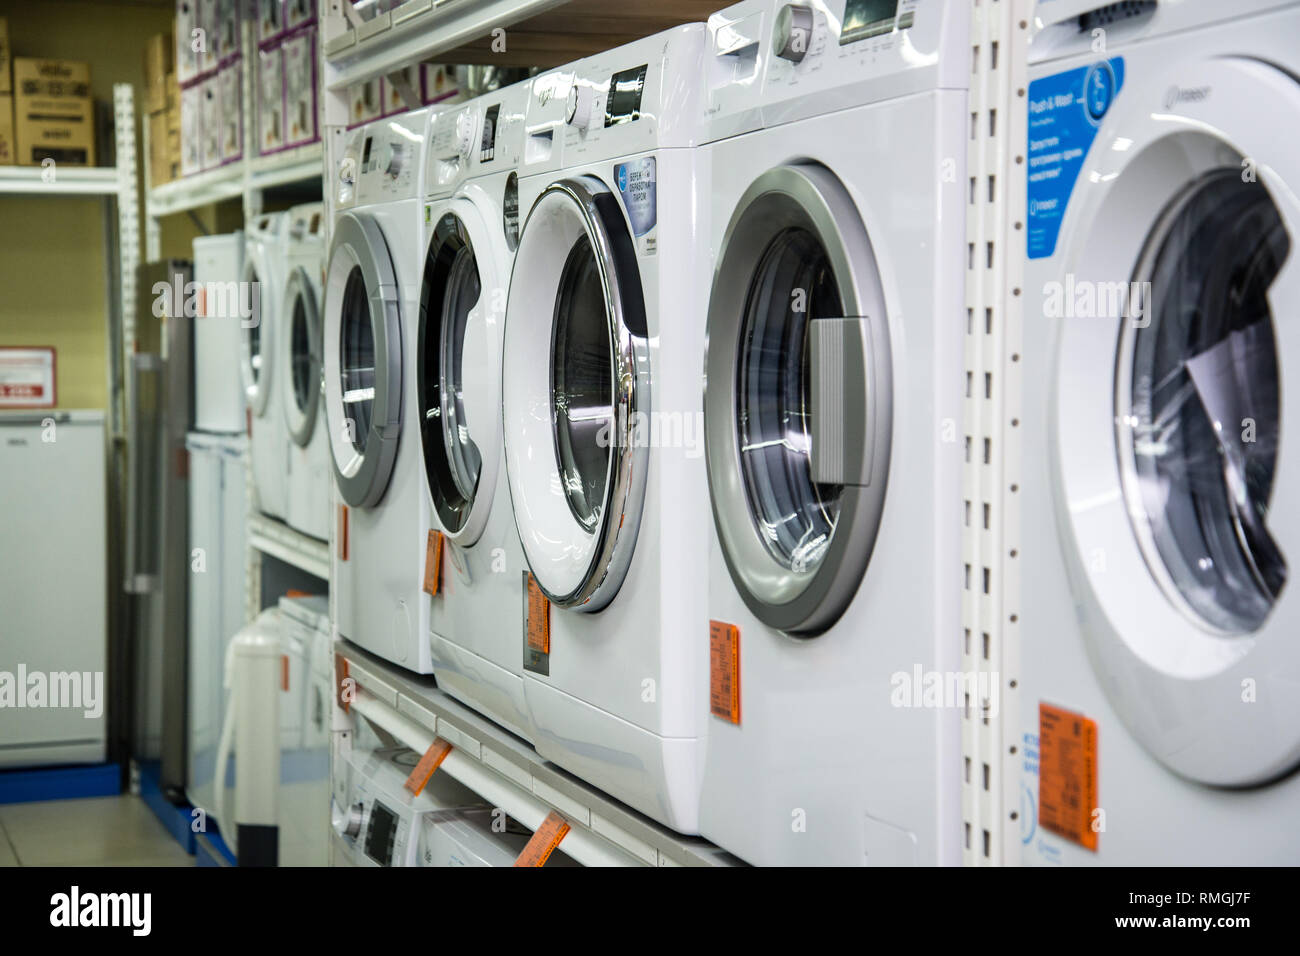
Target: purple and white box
{"points": [[300, 87], [270, 100]]}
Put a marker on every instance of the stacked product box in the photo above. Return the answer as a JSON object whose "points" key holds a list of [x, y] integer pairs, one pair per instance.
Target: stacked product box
{"points": [[286, 75], [424, 83], [208, 66], [162, 106]]}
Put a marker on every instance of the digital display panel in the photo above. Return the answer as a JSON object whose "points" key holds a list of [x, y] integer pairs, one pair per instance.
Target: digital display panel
{"points": [[867, 18], [623, 105], [383, 831], [488, 146]]}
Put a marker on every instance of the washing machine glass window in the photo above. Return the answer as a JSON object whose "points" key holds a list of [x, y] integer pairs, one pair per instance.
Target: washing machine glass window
{"points": [[792, 285], [305, 364], [1200, 410], [582, 390], [357, 345], [797, 426], [452, 288]]}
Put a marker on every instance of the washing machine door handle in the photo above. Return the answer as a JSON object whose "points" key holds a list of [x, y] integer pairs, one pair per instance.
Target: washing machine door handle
{"points": [[840, 416]]}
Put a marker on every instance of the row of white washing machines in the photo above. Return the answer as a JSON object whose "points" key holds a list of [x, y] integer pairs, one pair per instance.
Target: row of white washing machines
{"points": [[257, 347], [657, 361]]}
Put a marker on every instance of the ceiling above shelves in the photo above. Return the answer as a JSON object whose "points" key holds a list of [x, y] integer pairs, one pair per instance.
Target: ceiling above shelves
{"points": [[541, 33]]}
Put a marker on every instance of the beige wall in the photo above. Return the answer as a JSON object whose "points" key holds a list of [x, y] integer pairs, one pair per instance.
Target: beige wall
{"points": [[52, 280]]}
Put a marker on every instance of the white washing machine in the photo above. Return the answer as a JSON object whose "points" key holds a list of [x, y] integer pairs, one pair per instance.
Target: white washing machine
{"points": [[833, 405], [471, 227], [1158, 655], [218, 391], [372, 288], [376, 820], [601, 402], [264, 264], [307, 499]]}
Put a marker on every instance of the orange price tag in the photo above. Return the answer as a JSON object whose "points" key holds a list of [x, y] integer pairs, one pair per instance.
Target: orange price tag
{"points": [[343, 532], [341, 675], [431, 761], [433, 563], [724, 671], [1067, 774], [544, 841], [539, 618]]}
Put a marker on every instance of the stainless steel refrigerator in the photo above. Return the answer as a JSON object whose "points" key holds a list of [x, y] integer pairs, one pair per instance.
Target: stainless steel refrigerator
{"points": [[159, 404]]}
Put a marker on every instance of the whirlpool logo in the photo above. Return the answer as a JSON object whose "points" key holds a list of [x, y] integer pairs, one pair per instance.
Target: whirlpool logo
{"points": [[1179, 95]]}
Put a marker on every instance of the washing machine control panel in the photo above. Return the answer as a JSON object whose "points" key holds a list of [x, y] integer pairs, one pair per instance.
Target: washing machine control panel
{"points": [[643, 95], [827, 55], [381, 162]]}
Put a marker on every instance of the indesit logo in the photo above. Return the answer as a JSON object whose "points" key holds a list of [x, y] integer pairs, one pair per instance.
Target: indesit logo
{"points": [[1177, 95], [131, 910]]}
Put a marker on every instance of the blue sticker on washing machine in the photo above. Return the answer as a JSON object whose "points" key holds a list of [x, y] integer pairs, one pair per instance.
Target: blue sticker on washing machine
{"points": [[636, 184], [1065, 112]]}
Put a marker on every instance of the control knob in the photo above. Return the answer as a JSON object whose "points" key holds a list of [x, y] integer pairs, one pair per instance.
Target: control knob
{"points": [[793, 32], [347, 821], [578, 112]]}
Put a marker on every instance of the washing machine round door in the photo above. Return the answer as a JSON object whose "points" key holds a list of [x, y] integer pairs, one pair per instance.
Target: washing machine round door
{"points": [[363, 359], [1174, 431], [301, 350], [797, 405], [257, 348], [575, 382], [459, 370]]}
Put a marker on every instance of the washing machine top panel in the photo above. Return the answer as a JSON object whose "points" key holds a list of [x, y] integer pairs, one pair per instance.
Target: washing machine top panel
{"points": [[1063, 28], [829, 55], [640, 96], [383, 161], [479, 138]]}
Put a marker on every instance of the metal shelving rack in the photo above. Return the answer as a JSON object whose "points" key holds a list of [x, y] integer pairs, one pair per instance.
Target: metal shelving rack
{"points": [[507, 772], [995, 238]]}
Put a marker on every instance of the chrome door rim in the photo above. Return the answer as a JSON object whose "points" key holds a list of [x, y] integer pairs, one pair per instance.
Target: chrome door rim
{"points": [[616, 263], [358, 242], [302, 421]]}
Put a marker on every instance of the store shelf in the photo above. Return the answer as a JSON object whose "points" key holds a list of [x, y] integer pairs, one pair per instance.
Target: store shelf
{"points": [[536, 33], [191, 192], [60, 181], [292, 547], [506, 771], [300, 164]]}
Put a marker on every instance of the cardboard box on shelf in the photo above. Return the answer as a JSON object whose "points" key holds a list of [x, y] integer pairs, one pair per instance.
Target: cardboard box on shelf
{"points": [[187, 21], [298, 13], [210, 122], [6, 82], [300, 88], [157, 68], [270, 100], [8, 148], [54, 114], [366, 101], [164, 150], [229, 18], [232, 115], [191, 129], [438, 84]]}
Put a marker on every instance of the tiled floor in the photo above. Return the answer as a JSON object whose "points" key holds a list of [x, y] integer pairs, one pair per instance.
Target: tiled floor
{"points": [[101, 831]]}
